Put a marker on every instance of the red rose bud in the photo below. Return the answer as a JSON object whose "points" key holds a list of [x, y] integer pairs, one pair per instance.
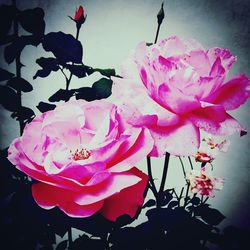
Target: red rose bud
{"points": [[79, 17], [79, 13]]}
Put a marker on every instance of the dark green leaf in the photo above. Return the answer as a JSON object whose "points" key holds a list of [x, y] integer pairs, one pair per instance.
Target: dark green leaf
{"points": [[14, 49], [195, 201], [48, 63], [173, 204], [42, 73], [77, 70], [7, 14], [105, 72], [149, 203], [211, 216], [43, 106], [5, 75], [23, 114], [8, 98], [102, 88], [32, 20], [20, 84], [86, 93], [61, 95], [64, 47]]}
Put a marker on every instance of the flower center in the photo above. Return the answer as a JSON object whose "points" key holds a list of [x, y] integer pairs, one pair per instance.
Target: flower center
{"points": [[82, 154]]}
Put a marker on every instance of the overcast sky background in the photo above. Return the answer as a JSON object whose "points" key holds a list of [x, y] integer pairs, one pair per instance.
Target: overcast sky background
{"points": [[112, 29]]}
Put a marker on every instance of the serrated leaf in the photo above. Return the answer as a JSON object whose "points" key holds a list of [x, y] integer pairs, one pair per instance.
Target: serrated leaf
{"points": [[20, 84], [61, 95], [102, 88], [64, 47], [8, 98], [32, 20], [15, 48], [44, 107], [5, 75]]}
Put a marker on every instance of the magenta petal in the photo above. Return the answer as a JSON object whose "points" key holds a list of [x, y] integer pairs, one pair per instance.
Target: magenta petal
{"points": [[114, 184], [233, 93], [142, 146], [127, 201], [215, 120], [47, 197]]}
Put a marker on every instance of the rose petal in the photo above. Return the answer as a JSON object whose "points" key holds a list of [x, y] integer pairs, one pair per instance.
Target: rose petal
{"points": [[127, 201]]}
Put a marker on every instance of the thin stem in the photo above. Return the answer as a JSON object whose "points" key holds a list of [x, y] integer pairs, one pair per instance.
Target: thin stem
{"points": [[157, 33], [151, 180], [68, 80], [179, 199], [205, 200], [18, 70], [70, 237], [191, 165], [183, 168], [165, 171], [186, 196]]}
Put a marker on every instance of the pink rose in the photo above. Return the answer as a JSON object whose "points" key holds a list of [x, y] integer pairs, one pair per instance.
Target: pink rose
{"points": [[202, 182], [83, 154], [177, 88]]}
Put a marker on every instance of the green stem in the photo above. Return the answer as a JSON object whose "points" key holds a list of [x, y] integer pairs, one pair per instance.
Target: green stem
{"points": [[151, 180], [186, 196], [68, 80], [157, 33], [191, 165], [70, 237], [164, 174]]}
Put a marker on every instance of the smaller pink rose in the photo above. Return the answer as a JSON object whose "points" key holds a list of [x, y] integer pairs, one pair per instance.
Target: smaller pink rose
{"points": [[202, 182]]}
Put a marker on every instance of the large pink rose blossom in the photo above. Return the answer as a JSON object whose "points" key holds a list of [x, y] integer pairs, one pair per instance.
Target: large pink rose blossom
{"points": [[83, 155], [175, 88]]}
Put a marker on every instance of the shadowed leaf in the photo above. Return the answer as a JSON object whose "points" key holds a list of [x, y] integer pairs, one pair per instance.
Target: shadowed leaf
{"points": [[64, 47], [23, 114], [43, 106], [14, 49], [149, 203], [32, 20], [20, 84], [48, 64], [5, 75], [8, 98], [61, 95], [78, 70], [7, 13]]}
